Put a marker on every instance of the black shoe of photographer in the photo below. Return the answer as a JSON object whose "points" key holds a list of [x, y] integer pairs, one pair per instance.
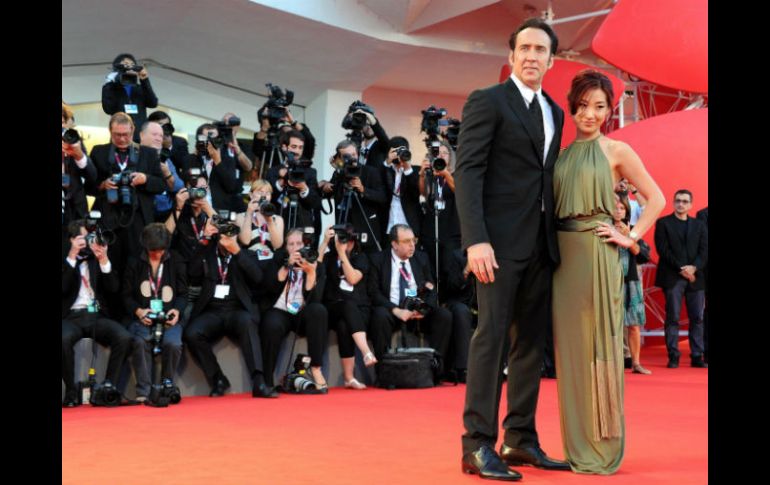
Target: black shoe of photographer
{"points": [[70, 399], [220, 386], [260, 389]]}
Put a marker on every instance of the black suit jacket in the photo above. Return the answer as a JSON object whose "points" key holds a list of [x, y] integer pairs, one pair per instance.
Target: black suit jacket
{"points": [[100, 282], [307, 206], [243, 271], [378, 152], [114, 99], [223, 184], [143, 159], [372, 201], [179, 151], [75, 204], [673, 253], [703, 216], [409, 192], [380, 274], [501, 181]]}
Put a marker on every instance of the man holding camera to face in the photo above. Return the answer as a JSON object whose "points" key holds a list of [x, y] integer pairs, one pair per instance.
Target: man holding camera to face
{"points": [[224, 306], [295, 183], [217, 166], [367, 133], [87, 275], [358, 194], [402, 291], [127, 89], [75, 166], [402, 191]]}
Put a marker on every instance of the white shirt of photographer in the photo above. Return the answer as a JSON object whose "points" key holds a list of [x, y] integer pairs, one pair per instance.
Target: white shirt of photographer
{"points": [[395, 267], [292, 292]]}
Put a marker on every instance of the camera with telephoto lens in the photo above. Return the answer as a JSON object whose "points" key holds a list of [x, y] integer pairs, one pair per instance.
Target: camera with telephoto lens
{"points": [[297, 381], [266, 208], [403, 155], [309, 252], [123, 195], [453, 132], [224, 221], [356, 121], [201, 144], [345, 233], [197, 193], [159, 320], [128, 76], [276, 105], [105, 394], [225, 128], [163, 394], [418, 303], [296, 168], [70, 136], [349, 167], [96, 234], [430, 117], [437, 163]]}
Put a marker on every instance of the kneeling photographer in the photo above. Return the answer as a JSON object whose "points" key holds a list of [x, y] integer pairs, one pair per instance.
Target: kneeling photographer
{"points": [[402, 290], [294, 290], [358, 194], [345, 296], [154, 295]]}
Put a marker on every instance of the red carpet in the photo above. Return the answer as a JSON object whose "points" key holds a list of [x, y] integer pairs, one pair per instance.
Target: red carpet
{"points": [[370, 437]]}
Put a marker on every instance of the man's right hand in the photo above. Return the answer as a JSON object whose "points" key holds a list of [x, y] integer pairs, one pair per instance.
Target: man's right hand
{"points": [[181, 197], [107, 184], [326, 187], [77, 243], [481, 259], [141, 315], [402, 314]]}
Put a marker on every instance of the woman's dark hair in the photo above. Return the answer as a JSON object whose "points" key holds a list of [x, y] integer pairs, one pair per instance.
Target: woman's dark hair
{"points": [[587, 80], [155, 236]]}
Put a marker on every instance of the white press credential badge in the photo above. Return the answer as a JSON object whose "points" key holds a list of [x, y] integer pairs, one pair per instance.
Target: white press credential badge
{"points": [[222, 291], [130, 109]]}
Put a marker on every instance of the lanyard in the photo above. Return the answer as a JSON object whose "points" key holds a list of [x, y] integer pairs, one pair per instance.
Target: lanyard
{"points": [[223, 274], [86, 283], [155, 286], [405, 274], [198, 234], [121, 164]]}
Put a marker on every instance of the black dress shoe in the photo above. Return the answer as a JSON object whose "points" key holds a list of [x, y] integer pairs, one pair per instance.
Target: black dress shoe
{"points": [[673, 362], [697, 362], [533, 456], [485, 463], [70, 400], [627, 363], [262, 390], [220, 386]]}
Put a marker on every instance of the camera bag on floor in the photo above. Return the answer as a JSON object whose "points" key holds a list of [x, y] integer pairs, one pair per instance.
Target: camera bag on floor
{"points": [[409, 367]]}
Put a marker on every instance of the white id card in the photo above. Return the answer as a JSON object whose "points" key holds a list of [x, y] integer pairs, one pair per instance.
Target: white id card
{"points": [[221, 291], [130, 109], [410, 292], [345, 286]]}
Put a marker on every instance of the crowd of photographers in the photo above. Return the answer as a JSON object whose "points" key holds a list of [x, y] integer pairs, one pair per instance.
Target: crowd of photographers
{"points": [[173, 253]]}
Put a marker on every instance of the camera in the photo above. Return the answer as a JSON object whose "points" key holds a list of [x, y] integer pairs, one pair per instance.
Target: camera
{"points": [[196, 193], [453, 132], [201, 144], [224, 221], [266, 207], [276, 104], [225, 130], [123, 194], [168, 129], [344, 233], [158, 320], [349, 168], [128, 76], [164, 154], [105, 394], [297, 381], [192, 175], [417, 303], [95, 233], [296, 172], [430, 117], [437, 163], [404, 155], [70, 136], [163, 394], [356, 121]]}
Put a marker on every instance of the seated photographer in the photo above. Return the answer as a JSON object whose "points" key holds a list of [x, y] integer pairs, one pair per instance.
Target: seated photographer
{"points": [[401, 290], [458, 292], [224, 307], [374, 140], [127, 89], [86, 276], [152, 136], [345, 297], [261, 227], [211, 157], [402, 191], [155, 293], [366, 183], [295, 287], [437, 187], [295, 183], [178, 145], [75, 167], [129, 177]]}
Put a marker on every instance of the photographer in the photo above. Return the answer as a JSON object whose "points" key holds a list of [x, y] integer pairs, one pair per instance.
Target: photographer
{"points": [[368, 190], [261, 228], [437, 188], [373, 139], [178, 145], [402, 191], [397, 273], [224, 307], [75, 166], [296, 184], [191, 211], [129, 177], [219, 168], [345, 297], [87, 275], [284, 124], [155, 290], [229, 127], [295, 288], [127, 89], [151, 136]]}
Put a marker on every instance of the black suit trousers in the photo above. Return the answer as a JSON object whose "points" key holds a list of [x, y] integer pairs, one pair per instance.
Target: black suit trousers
{"points": [[514, 307]]}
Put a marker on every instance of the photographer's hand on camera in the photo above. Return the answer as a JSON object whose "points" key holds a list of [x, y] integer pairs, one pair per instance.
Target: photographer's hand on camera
{"points": [[230, 243], [138, 178], [173, 317], [100, 252], [369, 117], [141, 314], [107, 184], [76, 245], [326, 187], [403, 314], [143, 74], [357, 185], [214, 154], [74, 150], [301, 186]]}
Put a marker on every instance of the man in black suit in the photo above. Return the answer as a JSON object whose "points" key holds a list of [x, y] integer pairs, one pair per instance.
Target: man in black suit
{"points": [[402, 189], [86, 275], [703, 216], [396, 273], [76, 167], [509, 142], [682, 244], [304, 195], [127, 89]]}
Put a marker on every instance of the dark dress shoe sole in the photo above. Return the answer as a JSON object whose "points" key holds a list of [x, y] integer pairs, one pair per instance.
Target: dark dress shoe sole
{"points": [[472, 470], [560, 468]]}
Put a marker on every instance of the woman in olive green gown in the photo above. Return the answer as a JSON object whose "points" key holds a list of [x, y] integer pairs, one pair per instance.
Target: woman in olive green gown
{"points": [[588, 284]]}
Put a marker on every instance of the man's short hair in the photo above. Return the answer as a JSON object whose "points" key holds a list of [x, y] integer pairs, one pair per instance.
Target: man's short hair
{"points": [[120, 118], [73, 228], [683, 191], [535, 23], [204, 126], [398, 141], [288, 135], [396, 227], [119, 58], [343, 145], [158, 115], [146, 125]]}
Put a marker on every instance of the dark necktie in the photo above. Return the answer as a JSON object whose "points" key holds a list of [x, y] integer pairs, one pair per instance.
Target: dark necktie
{"points": [[403, 283], [537, 117]]}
